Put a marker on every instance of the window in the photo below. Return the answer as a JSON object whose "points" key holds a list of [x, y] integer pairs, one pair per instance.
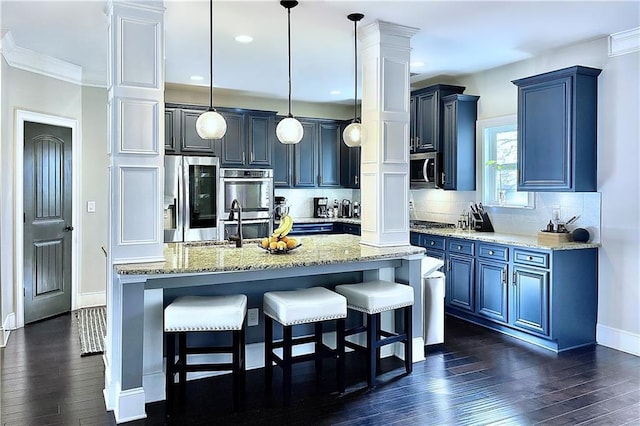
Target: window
{"points": [[499, 137]]}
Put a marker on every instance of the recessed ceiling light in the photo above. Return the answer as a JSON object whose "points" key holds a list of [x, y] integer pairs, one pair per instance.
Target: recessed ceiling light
{"points": [[335, 92], [243, 38], [196, 78]]}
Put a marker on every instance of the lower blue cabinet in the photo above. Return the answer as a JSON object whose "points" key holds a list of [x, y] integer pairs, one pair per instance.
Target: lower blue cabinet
{"points": [[544, 296], [492, 290]]}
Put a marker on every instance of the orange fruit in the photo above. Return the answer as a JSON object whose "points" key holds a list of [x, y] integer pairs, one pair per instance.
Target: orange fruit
{"points": [[273, 245], [265, 243], [291, 243]]}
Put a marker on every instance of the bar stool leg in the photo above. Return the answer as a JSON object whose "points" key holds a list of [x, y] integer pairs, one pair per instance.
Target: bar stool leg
{"points": [[169, 372], [243, 354], [408, 345], [318, 348], [268, 352], [182, 359], [378, 337], [372, 327], [236, 369], [340, 336], [286, 363]]}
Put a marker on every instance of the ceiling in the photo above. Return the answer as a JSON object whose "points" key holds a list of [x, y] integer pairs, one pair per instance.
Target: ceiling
{"points": [[455, 37]]}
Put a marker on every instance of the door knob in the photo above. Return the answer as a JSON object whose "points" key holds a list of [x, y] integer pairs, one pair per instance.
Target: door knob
{"points": [[68, 228]]}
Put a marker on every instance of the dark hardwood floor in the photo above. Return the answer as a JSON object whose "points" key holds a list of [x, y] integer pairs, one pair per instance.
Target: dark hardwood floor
{"points": [[480, 377]]}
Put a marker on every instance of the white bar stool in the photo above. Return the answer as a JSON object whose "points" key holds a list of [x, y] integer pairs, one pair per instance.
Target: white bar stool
{"points": [[199, 314], [372, 298], [312, 305]]}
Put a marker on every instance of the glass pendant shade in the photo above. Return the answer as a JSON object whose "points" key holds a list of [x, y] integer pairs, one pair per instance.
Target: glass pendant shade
{"points": [[211, 125], [289, 131], [352, 134]]}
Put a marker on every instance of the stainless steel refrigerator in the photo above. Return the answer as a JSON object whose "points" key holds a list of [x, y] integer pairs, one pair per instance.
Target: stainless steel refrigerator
{"points": [[191, 187]]}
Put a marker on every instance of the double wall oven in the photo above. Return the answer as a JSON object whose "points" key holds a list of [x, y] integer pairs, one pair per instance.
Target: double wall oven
{"points": [[198, 194], [253, 188]]}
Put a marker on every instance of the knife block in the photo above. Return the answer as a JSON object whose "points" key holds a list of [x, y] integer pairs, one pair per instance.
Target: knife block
{"points": [[482, 223]]}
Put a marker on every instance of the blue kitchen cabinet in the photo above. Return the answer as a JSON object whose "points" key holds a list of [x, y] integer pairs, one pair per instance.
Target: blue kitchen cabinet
{"points": [[459, 142], [249, 138], [233, 143], [492, 276], [347, 228], [282, 164], [426, 115], [329, 154], [434, 245], [261, 135], [311, 228], [171, 130], [545, 297], [305, 156], [190, 140], [460, 275], [557, 130]]}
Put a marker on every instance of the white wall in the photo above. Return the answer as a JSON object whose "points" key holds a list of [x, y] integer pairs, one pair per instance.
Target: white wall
{"points": [[618, 176], [92, 281]]}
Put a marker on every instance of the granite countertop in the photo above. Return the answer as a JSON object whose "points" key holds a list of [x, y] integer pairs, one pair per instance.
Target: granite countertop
{"points": [[497, 237], [225, 257]]}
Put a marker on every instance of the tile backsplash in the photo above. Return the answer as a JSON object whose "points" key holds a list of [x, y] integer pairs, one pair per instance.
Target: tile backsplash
{"points": [[300, 200], [446, 206]]}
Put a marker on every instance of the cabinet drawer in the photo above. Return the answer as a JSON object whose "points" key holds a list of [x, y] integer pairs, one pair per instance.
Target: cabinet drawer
{"points": [[532, 258], [461, 247], [489, 251], [433, 242]]}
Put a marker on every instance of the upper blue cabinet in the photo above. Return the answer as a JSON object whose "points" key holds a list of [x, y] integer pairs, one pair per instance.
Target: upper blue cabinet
{"points": [[557, 115]]}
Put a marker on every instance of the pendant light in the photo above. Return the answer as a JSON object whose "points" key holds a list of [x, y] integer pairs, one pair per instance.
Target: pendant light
{"points": [[211, 125], [352, 134], [289, 130]]}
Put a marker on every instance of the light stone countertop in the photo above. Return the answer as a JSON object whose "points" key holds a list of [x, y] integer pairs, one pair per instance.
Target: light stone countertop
{"points": [[349, 220], [181, 258], [500, 238]]}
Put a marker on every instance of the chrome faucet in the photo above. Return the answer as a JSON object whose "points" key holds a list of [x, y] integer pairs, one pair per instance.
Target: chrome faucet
{"points": [[236, 207]]}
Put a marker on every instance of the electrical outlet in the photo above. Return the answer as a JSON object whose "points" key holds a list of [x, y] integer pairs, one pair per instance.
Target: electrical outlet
{"points": [[91, 206], [252, 317]]}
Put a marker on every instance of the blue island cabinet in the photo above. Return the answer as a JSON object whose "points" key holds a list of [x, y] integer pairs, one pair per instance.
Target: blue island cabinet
{"points": [[557, 131], [545, 296]]}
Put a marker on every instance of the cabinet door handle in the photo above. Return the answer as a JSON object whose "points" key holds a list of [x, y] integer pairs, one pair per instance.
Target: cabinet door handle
{"points": [[442, 176], [433, 243], [503, 276], [490, 252], [251, 157], [243, 156], [356, 179], [514, 278], [448, 265], [529, 258], [459, 248]]}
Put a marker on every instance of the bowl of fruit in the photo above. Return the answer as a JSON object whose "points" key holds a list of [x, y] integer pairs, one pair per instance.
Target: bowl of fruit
{"points": [[278, 242]]}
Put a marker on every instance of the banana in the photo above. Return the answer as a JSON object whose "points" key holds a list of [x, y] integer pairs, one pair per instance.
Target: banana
{"points": [[288, 225]]}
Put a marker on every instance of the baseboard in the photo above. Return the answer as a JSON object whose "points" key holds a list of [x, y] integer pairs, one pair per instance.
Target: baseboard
{"points": [[620, 340], [8, 325], [130, 405], [87, 300]]}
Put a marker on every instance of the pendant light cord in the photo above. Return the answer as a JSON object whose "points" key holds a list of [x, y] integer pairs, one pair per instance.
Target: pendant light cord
{"points": [[289, 53], [211, 55], [355, 71]]}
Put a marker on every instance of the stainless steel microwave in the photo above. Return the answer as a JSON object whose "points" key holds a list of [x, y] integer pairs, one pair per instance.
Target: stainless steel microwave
{"points": [[423, 170]]}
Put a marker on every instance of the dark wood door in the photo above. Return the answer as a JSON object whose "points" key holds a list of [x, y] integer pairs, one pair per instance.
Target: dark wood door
{"points": [[47, 221]]}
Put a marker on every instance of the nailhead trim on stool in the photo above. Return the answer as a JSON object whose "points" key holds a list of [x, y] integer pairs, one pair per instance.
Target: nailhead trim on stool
{"points": [[371, 298], [210, 314], [312, 305]]}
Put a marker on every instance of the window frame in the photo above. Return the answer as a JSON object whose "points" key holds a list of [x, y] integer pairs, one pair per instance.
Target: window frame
{"points": [[482, 126]]}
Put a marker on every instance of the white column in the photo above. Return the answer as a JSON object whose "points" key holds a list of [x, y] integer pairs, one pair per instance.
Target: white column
{"points": [[384, 187], [136, 131]]}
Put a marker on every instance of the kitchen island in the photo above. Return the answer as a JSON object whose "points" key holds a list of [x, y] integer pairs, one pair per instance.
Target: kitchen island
{"points": [[134, 373]]}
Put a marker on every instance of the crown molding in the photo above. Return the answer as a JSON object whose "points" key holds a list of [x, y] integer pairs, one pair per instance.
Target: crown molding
{"points": [[624, 42], [29, 60]]}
